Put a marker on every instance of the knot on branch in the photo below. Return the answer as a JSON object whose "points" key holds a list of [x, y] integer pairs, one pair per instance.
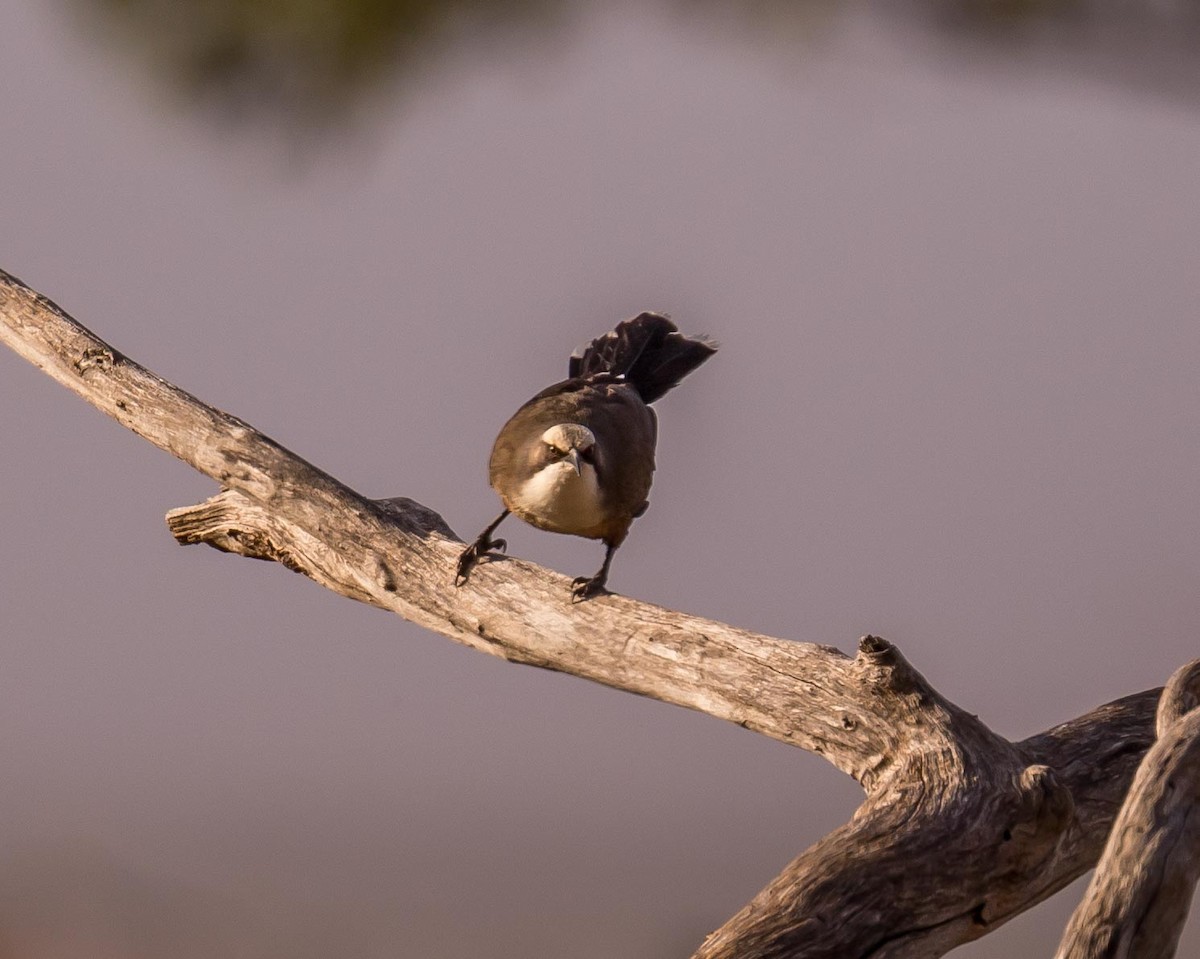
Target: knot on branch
{"points": [[95, 358], [886, 668], [1038, 820]]}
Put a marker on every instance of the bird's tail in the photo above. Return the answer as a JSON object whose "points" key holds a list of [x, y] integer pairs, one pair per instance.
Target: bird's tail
{"points": [[649, 351]]}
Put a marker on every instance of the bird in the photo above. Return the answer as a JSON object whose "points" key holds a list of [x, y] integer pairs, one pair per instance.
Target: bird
{"points": [[578, 458]]}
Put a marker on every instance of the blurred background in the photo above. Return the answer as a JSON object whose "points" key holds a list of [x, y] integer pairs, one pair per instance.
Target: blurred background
{"points": [[950, 250]]}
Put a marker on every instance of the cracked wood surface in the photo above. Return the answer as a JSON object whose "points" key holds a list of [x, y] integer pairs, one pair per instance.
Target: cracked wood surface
{"points": [[960, 830]]}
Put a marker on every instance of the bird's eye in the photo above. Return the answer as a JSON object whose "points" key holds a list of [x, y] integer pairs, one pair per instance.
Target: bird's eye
{"points": [[588, 455], [553, 451]]}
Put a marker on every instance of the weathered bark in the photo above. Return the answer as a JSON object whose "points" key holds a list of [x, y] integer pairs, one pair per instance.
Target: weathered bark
{"points": [[1139, 898], [961, 829]]}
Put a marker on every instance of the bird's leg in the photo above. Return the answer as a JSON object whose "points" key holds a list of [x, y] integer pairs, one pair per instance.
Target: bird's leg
{"points": [[484, 542], [583, 587]]}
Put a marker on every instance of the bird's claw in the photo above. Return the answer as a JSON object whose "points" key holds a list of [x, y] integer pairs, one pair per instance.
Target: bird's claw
{"points": [[466, 559], [472, 554], [585, 587]]}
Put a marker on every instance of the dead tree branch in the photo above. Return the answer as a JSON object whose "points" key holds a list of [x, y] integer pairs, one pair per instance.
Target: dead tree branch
{"points": [[961, 829], [1139, 898]]}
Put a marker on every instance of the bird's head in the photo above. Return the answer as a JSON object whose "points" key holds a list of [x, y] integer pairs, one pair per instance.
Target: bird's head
{"points": [[569, 443]]}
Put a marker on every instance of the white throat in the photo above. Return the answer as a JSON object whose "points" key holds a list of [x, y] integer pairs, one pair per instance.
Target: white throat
{"points": [[562, 499]]}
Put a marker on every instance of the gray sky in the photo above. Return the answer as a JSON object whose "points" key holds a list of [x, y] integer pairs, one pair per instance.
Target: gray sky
{"points": [[955, 405]]}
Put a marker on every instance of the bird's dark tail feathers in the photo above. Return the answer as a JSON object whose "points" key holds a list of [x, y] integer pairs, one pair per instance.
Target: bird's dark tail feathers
{"points": [[649, 351]]}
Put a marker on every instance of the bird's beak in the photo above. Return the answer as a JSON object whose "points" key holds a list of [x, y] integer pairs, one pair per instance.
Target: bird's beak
{"points": [[573, 456]]}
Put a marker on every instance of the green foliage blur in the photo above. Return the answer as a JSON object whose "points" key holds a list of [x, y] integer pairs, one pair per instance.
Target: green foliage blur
{"points": [[313, 62], [308, 59]]}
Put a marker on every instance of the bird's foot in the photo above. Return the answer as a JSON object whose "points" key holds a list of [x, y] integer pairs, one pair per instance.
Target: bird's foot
{"points": [[473, 554], [585, 587]]}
